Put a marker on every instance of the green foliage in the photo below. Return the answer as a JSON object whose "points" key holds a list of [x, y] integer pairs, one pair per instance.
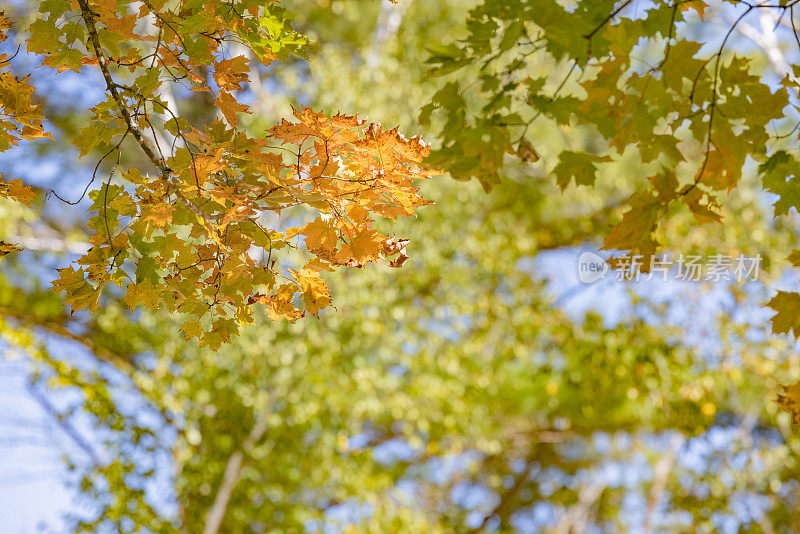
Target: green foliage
{"points": [[649, 82]]}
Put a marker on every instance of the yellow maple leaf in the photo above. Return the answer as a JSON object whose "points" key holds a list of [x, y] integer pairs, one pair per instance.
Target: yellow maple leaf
{"points": [[18, 191], [635, 231], [79, 293], [790, 401], [320, 236], [229, 73], [8, 248], [192, 329], [157, 211], [787, 318], [144, 293], [316, 294], [229, 107], [364, 247]]}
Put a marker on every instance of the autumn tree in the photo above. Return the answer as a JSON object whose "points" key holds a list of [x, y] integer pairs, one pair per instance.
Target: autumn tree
{"points": [[187, 228], [453, 394]]}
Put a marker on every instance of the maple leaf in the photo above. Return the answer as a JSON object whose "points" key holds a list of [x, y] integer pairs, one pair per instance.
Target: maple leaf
{"points": [[723, 167], [230, 107], [580, 166], [794, 258], [702, 211], [204, 165], [192, 228], [316, 294], [699, 6], [230, 73], [29, 133], [221, 331], [96, 134], [399, 261], [635, 231], [18, 191], [79, 292], [364, 247], [317, 264], [157, 211], [63, 60], [665, 185], [192, 329], [526, 152], [781, 175], [787, 318], [321, 237], [144, 293], [279, 306], [789, 400], [8, 248]]}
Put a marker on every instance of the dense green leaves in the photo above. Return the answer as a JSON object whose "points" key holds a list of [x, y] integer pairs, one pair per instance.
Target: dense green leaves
{"points": [[657, 84]]}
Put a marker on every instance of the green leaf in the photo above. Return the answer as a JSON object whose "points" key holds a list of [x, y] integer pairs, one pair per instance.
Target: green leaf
{"points": [[511, 35], [787, 317], [578, 166]]}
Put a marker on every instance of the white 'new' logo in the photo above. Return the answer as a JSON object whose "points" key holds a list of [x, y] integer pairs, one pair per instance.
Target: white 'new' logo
{"points": [[591, 267]]}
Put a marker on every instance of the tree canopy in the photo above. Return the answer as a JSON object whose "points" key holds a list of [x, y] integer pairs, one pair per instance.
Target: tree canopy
{"points": [[367, 339]]}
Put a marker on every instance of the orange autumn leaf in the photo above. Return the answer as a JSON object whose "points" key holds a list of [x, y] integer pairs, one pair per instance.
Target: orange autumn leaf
{"points": [[195, 228], [230, 107]]}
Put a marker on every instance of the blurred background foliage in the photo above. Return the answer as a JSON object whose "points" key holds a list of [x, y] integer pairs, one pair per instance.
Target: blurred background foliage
{"points": [[480, 387]]}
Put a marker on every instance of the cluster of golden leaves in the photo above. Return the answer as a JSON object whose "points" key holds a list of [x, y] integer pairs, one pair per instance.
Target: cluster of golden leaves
{"points": [[20, 118], [197, 229]]}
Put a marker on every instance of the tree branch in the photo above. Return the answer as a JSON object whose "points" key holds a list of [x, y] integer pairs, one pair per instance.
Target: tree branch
{"points": [[507, 498], [660, 475], [91, 27], [233, 470], [73, 434]]}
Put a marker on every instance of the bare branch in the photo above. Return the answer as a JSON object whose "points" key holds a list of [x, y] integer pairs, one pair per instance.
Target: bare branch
{"points": [[91, 27], [233, 470]]}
